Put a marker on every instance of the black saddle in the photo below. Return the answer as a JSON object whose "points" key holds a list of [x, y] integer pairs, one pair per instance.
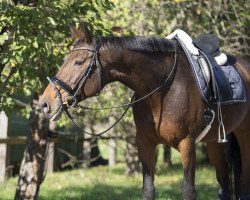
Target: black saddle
{"points": [[209, 45], [226, 86]]}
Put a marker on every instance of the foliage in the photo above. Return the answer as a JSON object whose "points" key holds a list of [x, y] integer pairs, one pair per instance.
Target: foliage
{"points": [[34, 38], [229, 19]]}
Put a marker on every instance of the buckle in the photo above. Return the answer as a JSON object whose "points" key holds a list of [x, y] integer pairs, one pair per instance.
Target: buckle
{"points": [[70, 101]]}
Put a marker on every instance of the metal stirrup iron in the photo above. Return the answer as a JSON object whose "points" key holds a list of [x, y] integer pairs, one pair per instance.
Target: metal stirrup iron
{"points": [[222, 138]]}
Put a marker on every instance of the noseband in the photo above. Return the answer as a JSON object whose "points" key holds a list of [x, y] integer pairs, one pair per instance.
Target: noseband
{"points": [[76, 91]]}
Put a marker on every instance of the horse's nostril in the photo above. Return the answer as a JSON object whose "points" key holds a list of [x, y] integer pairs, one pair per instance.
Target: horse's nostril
{"points": [[45, 107]]}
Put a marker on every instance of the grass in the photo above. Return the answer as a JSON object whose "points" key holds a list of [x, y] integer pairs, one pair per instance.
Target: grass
{"points": [[106, 183]]}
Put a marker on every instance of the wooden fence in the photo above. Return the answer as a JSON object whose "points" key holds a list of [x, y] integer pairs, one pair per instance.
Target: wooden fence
{"points": [[5, 141]]}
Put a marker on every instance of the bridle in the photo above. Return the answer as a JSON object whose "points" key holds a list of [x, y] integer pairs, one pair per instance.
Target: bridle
{"points": [[76, 91], [96, 65]]}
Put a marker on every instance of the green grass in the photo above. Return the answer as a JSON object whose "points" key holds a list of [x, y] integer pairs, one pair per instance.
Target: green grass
{"points": [[104, 183]]}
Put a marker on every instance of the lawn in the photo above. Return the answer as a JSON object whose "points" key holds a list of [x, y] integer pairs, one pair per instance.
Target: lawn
{"points": [[105, 183]]}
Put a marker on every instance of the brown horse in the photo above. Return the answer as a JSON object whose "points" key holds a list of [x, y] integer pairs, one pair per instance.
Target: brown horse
{"points": [[172, 115]]}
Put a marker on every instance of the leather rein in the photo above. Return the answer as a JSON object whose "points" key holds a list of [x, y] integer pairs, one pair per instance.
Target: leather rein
{"points": [[75, 92]]}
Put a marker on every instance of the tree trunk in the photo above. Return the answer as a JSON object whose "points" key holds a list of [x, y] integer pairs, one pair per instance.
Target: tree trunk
{"points": [[51, 149], [112, 152], [91, 153], [32, 167], [131, 157], [167, 156], [88, 126], [204, 151]]}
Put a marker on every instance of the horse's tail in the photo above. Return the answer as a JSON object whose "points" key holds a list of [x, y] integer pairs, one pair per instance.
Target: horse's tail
{"points": [[234, 163]]}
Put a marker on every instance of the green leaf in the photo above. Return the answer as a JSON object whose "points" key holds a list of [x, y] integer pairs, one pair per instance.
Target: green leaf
{"points": [[3, 38], [52, 21], [35, 44]]}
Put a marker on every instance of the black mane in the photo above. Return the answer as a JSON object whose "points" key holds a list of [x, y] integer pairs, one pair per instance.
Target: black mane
{"points": [[142, 44]]}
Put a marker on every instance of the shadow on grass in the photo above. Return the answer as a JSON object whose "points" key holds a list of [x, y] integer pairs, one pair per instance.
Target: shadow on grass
{"points": [[177, 167], [163, 170], [106, 192]]}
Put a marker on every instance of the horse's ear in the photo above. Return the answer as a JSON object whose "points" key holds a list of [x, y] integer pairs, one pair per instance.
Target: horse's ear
{"points": [[83, 33], [86, 32], [75, 33]]}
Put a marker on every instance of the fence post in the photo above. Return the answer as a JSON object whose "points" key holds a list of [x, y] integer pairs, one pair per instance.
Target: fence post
{"points": [[3, 147]]}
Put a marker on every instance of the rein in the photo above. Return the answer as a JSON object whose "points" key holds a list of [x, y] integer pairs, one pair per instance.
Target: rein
{"points": [[95, 64]]}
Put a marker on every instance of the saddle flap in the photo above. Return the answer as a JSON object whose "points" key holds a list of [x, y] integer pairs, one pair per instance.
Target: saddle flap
{"points": [[224, 92]]}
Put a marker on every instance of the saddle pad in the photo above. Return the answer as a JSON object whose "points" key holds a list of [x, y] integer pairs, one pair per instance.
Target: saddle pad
{"points": [[230, 72]]}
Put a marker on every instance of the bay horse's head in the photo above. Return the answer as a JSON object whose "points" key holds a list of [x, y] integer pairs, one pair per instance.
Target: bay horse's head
{"points": [[80, 76]]}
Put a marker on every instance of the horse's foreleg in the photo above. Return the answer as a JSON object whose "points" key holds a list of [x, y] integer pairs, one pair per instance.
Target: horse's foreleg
{"points": [[217, 158], [147, 154], [188, 157]]}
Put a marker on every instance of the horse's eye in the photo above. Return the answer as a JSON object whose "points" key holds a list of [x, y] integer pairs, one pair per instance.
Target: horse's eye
{"points": [[79, 62]]}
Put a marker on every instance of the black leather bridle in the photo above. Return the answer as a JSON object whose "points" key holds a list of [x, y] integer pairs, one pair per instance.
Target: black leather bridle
{"points": [[76, 90]]}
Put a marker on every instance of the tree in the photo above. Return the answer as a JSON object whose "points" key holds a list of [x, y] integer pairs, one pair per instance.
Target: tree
{"points": [[34, 35]]}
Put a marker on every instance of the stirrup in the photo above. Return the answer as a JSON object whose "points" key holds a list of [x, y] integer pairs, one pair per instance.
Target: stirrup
{"points": [[221, 138]]}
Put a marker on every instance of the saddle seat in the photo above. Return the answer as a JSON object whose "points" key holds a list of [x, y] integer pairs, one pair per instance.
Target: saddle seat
{"points": [[210, 45]]}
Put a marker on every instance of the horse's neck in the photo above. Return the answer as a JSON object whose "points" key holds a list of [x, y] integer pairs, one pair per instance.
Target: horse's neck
{"points": [[140, 72]]}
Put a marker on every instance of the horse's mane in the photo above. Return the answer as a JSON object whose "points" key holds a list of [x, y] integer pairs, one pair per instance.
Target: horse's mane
{"points": [[144, 44]]}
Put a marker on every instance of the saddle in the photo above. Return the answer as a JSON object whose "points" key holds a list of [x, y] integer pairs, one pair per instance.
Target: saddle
{"points": [[217, 78], [215, 73]]}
